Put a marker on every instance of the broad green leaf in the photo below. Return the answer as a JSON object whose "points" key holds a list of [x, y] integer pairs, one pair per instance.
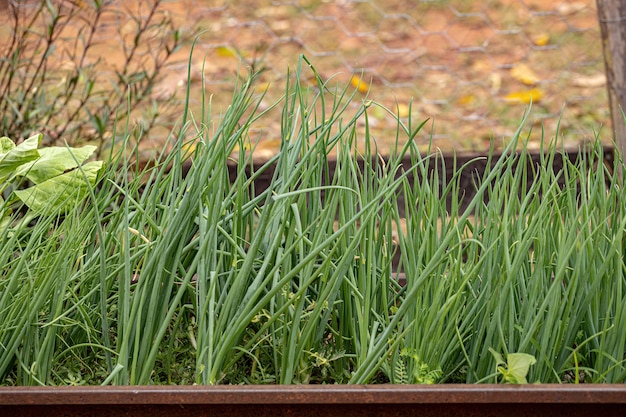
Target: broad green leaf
{"points": [[62, 191], [6, 145], [497, 357], [54, 161], [12, 158], [517, 367]]}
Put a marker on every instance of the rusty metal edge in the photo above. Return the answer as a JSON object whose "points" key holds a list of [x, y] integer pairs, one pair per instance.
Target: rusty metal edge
{"points": [[468, 165], [601, 394]]}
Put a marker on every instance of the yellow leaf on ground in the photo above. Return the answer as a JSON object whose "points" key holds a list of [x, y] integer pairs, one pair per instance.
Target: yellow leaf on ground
{"points": [[525, 97], [403, 110], [359, 84], [189, 148], [273, 143], [523, 73], [262, 87], [541, 39], [467, 100], [309, 81], [226, 52]]}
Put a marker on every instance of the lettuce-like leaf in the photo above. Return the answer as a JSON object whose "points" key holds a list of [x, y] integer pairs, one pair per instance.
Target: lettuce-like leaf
{"points": [[54, 161], [518, 365], [12, 157], [62, 192]]}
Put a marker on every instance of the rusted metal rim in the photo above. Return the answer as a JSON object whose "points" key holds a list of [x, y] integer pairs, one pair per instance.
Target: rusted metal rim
{"points": [[317, 400], [468, 166]]}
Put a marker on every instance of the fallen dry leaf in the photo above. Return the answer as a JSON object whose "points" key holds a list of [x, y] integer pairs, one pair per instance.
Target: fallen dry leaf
{"points": [[226, 52], [597, 80], [523, 73], [535, 95], [403, 110], [467, 100], [359, 84], [541, 39]]}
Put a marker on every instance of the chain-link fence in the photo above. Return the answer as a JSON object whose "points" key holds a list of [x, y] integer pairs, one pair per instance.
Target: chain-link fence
{"points": [[470, 66]]}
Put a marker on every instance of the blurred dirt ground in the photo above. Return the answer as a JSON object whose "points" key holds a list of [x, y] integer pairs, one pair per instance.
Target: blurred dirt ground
{"points": [[469, 66]]}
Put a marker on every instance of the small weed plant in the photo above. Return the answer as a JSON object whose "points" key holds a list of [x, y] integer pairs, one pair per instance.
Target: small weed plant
{"points": [[155, 277], [54, 82]]}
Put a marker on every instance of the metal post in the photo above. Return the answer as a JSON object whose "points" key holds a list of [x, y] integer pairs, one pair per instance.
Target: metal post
{"points": [[612, 17]]}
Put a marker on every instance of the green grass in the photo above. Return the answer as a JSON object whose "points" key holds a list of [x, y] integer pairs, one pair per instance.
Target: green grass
{"points": [[158, 278]]}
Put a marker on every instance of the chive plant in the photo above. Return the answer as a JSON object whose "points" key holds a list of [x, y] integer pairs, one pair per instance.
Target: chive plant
{"points": [[160, 277]]}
